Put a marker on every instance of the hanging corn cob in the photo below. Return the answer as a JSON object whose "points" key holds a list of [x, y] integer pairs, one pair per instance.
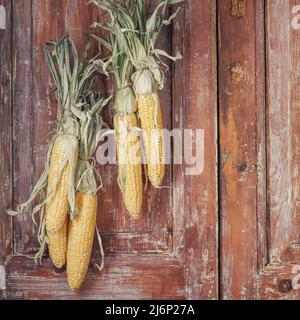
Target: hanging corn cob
{"points": [[83, 226], [125, 124], [56, 187], [56, 209], [138, 36]]}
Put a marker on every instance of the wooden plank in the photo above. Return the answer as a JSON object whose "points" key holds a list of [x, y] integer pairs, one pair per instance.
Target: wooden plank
{"points": [[5, 135], [140, 277], [240, 103], [295, 114], [283, 128], [198, 82], [22, 118], [178, 106], [161, 212], [262, 224]]}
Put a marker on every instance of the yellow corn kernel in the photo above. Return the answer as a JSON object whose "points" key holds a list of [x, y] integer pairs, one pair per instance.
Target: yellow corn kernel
{"points": [[58, 246], [129, 159], [80, 239], [57, 208], [151, 119]]}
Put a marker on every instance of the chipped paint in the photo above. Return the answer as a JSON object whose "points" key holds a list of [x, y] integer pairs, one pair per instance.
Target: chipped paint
{"points": [[236, 72], [238, 8]]}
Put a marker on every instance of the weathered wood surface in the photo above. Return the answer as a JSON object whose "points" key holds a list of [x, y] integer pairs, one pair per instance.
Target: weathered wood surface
{"points": [[246, 200], [129, 273], [241, 100], [283, 134], [195, 107], [124, 277], [280, 279], [6, 197]]}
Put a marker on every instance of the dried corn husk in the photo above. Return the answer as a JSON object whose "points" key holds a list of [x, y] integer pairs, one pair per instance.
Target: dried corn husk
{"points": [[126, 121], [75, 82], [137, 35], [83, 226]]}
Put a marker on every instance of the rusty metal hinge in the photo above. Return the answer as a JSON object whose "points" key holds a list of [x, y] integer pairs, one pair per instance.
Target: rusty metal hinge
{"points": [[2, 278], [2, 18]]}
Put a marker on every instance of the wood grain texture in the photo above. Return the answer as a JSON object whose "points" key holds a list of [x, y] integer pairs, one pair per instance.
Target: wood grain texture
{"points": [[231, 232], [22, 117], [261, 143], [124, 277], [6, 196], [240, 103], [178, 104], [279, 281], [195, 107], [283, 131]]}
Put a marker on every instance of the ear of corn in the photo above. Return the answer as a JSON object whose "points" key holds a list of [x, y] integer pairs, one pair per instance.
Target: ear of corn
{"points": [[80, 239], [125, 119], [59, 176], [129, 162], [56, 209], [78, 122], [82, 226], [151, 123], [57, 244], [138, 43]]}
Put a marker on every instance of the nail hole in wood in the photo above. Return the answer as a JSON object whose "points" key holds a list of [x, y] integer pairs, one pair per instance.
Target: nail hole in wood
{"points": [[285, 286], [243, 167]]}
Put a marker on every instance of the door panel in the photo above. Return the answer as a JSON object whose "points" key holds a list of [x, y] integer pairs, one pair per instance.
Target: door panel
{"points": [[124, 277], [279, 280], [171, 252], [259, 126], [235, 226]]}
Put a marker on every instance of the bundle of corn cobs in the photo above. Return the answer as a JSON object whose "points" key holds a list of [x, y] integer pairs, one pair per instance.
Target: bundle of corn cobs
{"points": [[67, 189], [138, 71]]}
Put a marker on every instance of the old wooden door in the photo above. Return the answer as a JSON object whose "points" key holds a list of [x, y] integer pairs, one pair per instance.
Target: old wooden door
{"points": [[259, 152], [231, 232], [171, 252]]}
